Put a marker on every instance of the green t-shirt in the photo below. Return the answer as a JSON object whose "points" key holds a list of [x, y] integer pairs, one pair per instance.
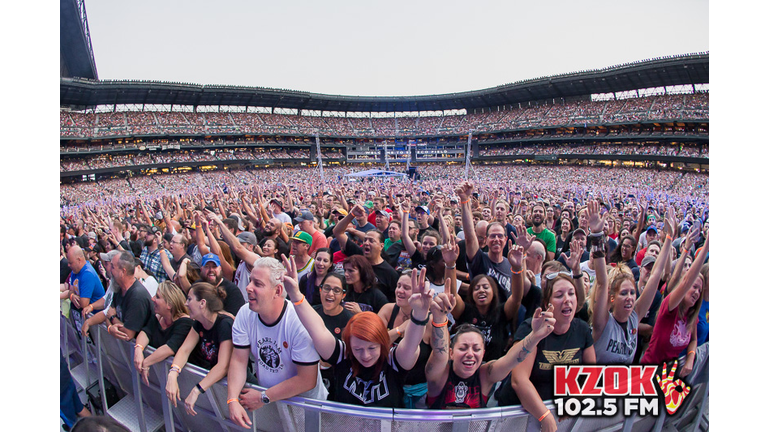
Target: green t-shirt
{"points": [[388, 242], [547, 236]]}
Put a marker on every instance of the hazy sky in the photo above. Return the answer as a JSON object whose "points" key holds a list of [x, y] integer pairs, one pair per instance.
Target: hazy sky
{"points": [[383, 48]]}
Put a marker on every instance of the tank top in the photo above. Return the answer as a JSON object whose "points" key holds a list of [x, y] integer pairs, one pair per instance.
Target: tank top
{"points": [[617, 345], [459, 392]]}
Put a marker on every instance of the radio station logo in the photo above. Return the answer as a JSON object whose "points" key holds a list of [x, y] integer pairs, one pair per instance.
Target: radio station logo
{"points": [[592, 390]]}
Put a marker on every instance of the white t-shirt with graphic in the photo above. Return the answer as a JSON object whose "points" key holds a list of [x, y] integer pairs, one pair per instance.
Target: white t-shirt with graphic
{"points": [[277, 348]]}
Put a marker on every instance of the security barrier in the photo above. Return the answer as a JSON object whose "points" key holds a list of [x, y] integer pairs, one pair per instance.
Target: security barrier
{"points": [[146, 408]]}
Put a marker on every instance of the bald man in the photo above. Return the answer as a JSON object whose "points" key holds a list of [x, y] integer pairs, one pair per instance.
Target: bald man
{"points": [[84, 284]]}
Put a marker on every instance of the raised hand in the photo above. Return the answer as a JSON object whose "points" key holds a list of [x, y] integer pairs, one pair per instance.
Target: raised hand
{"points": [[421, 296], [675, 390], [596, 222], [451, 251], [522, 238], [574, 260], [670, 223], [442, 304], [291, 278], [543, 323], [464, 191], [516, 253]]}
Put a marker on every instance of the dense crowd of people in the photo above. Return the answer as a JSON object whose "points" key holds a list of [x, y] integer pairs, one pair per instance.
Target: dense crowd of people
{"points": [[605, 149], [105, 124], [391, 293]]}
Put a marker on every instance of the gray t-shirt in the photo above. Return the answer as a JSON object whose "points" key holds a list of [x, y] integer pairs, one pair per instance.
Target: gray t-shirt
{"points": [[617, 345]]}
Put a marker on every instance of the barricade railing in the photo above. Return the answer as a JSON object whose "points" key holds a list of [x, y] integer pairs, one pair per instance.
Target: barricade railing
{"points": [[146, 407]]}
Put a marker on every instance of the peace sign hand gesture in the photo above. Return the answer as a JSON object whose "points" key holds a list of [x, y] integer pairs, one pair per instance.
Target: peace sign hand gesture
{"points": [[421, 297]]}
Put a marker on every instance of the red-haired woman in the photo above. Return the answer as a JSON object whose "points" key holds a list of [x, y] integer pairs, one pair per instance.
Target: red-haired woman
{"points": [[367, 369]]}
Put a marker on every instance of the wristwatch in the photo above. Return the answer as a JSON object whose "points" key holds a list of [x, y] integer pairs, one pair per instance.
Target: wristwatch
{"points": [[264, 397]]}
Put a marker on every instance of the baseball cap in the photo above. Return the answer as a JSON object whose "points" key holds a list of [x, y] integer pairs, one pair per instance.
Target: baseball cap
{"points": [[277, 201], [369, 204], [384, 213], [210, 257], [649, 259], [303, 237], [653, 228], [305, 216], [240, 225], [579, 231], [247, 237], [423, 209], [340, 211], [107, 257]]}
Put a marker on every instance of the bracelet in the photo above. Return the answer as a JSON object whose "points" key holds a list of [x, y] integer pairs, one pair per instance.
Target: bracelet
{"points": [[108, 327], [439, 325], [669, 237], [229, 401], [300, 301], [543, 416], [399, 333], [175, 368], [464, 202], [516, 272], [451, 267], [578, 276], [139, 346], [199, 387], [419, 323], [692, 352]]}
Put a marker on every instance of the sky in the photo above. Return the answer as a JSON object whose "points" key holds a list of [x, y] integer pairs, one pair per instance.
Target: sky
{"points": [[393, 48]]}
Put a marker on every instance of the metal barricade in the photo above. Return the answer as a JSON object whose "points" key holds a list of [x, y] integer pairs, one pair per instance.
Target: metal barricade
{"points": [[140, 408]]}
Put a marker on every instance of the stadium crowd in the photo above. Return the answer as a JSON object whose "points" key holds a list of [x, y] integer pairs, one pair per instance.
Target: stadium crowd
{"points": [[366, 281], [605, 149], [106, 124]]}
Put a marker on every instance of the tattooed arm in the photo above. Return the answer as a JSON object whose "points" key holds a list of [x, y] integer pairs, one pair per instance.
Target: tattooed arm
{"points": [[436, 369], [542, 325]]}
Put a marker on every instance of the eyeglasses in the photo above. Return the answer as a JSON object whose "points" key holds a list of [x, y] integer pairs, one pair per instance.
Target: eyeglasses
{"points": [[328, 288]]}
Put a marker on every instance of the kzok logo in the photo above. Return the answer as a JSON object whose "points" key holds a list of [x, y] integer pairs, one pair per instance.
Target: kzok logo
{"points": [[577, 386]]}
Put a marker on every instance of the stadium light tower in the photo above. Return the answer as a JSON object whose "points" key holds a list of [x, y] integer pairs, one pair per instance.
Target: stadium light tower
{"points": [[319, 156], [467, 165]]}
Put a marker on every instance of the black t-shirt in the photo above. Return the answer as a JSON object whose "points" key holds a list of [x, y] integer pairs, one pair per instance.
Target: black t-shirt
{"points": [[650, 319], [386, 276], [234, 300], [173, 336], [494, 327], [135, 308], [206, 353], [335, 324], [368, 389], [501, 272], [369, 300], [567, 348], [64, 270], [417, 374], [531, 301], [177, 264]]}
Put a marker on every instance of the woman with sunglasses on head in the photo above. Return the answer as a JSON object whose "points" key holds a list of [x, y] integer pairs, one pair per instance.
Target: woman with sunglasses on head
{"points": [[616, 309], [367, 369], [532, 381], [208, 344], [457, 377], [310, 283]]}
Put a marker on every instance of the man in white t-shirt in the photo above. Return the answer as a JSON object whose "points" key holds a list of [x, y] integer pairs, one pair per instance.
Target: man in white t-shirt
{"points": [[286, 360]]}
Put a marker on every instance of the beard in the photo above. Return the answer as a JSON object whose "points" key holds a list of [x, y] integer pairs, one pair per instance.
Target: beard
{"points": [[537, 221], [149, 243]]}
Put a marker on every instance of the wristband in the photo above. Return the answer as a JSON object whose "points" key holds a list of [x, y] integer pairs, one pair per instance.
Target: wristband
{"points": [[543, 416], [419, 323], [108, 327], [516, 272], [464, 202], [199, 387], [175, 368], [139, 346], [578, 276], [399, 333], [450, 267], [439, 325], [669, 237], [300, 301], [692, 352], [229, 401]]}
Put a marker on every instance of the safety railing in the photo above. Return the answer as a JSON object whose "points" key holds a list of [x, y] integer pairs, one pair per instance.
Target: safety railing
{"points": [[145, 407]]}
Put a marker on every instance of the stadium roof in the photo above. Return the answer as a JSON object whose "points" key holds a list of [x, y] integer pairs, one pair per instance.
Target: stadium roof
{"points": [[689, 69]]}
